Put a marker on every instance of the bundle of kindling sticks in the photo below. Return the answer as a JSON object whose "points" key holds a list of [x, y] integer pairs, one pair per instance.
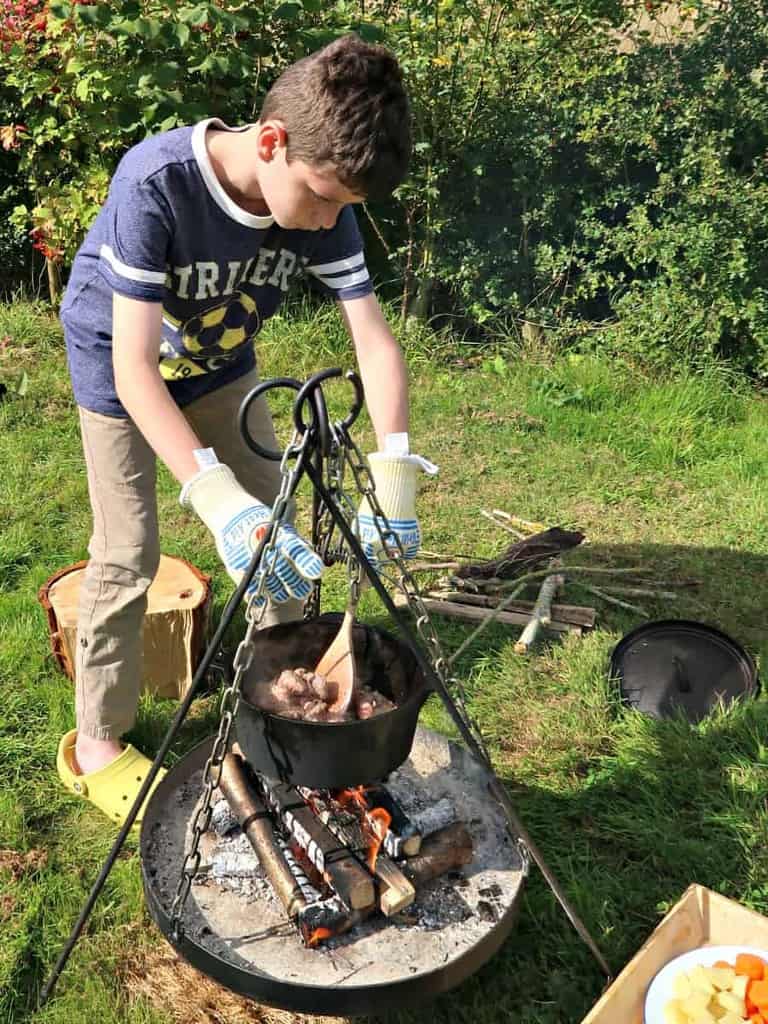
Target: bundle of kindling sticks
{"points": [[489, 590]]}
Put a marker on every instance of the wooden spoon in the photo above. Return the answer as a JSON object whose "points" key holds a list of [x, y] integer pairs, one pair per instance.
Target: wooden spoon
{"points": [[338, 662]]}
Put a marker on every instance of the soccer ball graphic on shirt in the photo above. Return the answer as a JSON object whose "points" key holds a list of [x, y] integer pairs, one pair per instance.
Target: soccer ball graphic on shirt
{"points": [[222, 328]]}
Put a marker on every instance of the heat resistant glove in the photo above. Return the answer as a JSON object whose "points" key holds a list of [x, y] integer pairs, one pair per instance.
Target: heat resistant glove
{"points": [[394, 477], [238, 521]]}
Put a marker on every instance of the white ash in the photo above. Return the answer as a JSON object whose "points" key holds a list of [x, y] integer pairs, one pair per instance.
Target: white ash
{"points": [[223, 818], [236, 860], [303, 694], [230, 861], [434, 817]]}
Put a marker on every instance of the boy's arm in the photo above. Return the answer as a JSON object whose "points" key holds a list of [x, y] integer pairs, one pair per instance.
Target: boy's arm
{"points": [[393, 469], [236, 519], [136, 327], [382, 367]]}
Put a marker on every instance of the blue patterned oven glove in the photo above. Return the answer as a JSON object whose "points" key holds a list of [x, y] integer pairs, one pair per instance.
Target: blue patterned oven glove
{"points": [[238, 521]]}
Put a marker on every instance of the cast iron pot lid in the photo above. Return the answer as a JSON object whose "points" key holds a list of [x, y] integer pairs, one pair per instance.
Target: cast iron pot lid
{"points": [[674, 665]]}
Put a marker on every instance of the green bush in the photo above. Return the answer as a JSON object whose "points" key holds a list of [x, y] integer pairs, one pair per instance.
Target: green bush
{"points": [[610, 196], [90, 79]]}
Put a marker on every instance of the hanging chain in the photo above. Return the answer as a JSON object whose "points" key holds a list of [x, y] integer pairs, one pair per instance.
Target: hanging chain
{"points": [[254, 613], [406, 583], [324, 527]]}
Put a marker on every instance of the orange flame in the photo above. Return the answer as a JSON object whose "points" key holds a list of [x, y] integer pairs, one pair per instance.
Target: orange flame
{"points": [[378, 821], [354, 796], [317, 937]]}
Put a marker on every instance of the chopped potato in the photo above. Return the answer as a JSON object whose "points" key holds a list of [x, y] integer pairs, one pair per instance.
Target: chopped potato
{"points": [[699, 980], [674, 1013], [729, 1001], [721, 977], [682, 986], [696, 1004], [739, 986]]}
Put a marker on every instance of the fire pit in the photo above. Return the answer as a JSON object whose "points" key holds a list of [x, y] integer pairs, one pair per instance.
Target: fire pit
{"points": [[235, 929]]}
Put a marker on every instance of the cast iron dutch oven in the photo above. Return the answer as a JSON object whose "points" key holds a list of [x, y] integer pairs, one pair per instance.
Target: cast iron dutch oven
{"points": [[331, 755]]}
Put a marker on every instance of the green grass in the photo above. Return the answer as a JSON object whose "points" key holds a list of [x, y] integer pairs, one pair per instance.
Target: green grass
{"points": [[670, 474]]}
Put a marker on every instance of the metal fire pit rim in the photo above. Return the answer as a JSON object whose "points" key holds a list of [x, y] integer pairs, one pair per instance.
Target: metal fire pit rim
{"points": [[347, 1000]]}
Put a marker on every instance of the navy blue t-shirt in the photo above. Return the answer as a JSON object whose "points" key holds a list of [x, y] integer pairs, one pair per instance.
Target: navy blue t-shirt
{"points": [[169, 233]]}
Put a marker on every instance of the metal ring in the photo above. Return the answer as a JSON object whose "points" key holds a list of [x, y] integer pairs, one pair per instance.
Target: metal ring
{"points": [[313, 385], [310, 385], [245, 405], [357, 405]]}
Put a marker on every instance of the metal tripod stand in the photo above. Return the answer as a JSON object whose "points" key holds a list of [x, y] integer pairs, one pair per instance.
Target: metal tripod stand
{"points": [[318, 445]]}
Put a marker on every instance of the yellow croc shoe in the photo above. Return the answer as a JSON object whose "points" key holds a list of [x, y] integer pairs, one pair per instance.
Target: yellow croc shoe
{"points": [[113, 788]]}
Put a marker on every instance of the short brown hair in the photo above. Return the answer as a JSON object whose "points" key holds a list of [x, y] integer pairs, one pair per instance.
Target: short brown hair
{"points": [[346, 104]]}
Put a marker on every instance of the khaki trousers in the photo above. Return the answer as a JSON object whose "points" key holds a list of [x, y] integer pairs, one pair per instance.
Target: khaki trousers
{"points": [[125, 544]]}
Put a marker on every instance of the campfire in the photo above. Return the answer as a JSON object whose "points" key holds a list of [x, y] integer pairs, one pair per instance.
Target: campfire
{"points": [[306, 924], [333, 858]]}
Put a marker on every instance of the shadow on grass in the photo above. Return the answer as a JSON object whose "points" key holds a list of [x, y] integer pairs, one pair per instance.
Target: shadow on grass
{"points": [[731, 590]]}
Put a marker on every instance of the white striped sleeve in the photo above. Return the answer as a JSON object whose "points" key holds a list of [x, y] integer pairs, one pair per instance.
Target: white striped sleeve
{"points": [[337, 264], [135, 242], [341, 274], [130, 273]]}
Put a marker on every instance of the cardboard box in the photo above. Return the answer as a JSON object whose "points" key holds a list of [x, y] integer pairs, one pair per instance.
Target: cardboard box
{"points": [[700, 918]]}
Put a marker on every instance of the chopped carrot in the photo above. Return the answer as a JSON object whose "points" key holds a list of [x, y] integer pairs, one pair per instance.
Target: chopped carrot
{"points": [[757, 1018], [723, 963], [757, 993], [752, 966]]}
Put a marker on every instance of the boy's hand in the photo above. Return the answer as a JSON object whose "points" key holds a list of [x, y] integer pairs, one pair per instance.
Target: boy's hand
{"points": [[238, 522], [394, 478]]}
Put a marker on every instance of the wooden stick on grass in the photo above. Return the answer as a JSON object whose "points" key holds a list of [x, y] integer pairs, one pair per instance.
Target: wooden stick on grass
{"points": [[668, 595], [494, 518], [612, 600], [541, 614]]}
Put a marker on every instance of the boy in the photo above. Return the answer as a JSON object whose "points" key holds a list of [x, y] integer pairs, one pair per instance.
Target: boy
{"points": [[202, 233]]}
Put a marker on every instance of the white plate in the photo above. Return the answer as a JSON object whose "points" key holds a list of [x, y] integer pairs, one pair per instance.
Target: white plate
{"points": [[661, 989]]}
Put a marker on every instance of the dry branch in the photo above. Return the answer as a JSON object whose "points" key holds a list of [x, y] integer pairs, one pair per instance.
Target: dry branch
{"points": [[572, 614], [472, 613], [613, 600], [542, 612]]}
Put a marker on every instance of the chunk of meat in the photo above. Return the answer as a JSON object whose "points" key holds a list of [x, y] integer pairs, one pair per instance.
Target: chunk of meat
{"points": [[300, 693], [370, 702]]}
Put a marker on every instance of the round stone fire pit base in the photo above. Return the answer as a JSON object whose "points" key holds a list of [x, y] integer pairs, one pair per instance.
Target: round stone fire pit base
{"points": [[241, 937]]}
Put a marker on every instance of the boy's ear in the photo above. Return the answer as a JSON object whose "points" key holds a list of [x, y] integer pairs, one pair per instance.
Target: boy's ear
{"points": [[272, 136]]}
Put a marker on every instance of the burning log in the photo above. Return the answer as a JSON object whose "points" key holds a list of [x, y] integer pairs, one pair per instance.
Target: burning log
{"points": [[325, 918], [364, 833], [337, 864], [308, 891], [403, 839], [443, 851]]}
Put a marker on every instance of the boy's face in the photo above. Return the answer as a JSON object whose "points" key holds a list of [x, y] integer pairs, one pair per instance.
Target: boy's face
{"points": [[300, 196]]}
